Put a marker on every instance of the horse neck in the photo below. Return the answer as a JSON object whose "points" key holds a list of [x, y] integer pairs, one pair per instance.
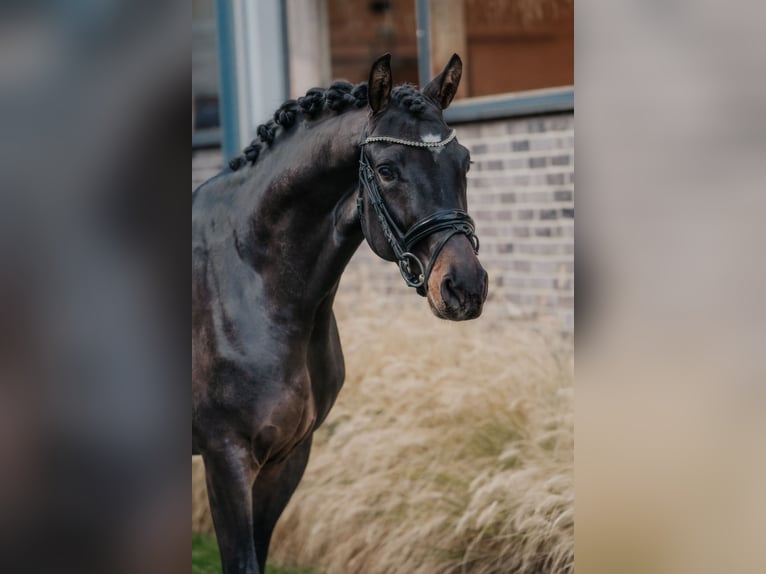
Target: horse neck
{"points": [[304, 226]]}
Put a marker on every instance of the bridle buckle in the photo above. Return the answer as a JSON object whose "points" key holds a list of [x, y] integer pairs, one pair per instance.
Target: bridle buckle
{"points": [[408, 273]]}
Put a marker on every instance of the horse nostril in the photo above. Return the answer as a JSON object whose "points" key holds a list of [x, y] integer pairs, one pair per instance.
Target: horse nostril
{"points": [[485, 279], [451, 295]]}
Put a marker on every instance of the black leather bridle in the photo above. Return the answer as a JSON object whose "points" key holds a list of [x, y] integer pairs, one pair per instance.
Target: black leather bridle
{"points": [[454, 221]]}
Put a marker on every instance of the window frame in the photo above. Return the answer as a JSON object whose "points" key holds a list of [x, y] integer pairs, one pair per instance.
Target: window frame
{"points": [[495, 106], [480, 108]]}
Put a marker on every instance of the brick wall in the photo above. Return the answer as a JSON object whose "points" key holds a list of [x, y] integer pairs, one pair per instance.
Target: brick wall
{"points": [[521, 194]]}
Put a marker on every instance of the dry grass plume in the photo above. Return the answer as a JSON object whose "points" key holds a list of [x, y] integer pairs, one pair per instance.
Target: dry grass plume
{"points": [[450, 449]]}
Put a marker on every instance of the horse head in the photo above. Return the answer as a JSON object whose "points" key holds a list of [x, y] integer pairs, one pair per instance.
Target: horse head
{"points": [[412, 194]]}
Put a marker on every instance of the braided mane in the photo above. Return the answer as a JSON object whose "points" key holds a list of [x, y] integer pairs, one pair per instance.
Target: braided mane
{"points": [[339, 97]]}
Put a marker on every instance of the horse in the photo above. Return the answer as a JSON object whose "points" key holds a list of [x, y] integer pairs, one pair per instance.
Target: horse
{"points": [[271, 237]]}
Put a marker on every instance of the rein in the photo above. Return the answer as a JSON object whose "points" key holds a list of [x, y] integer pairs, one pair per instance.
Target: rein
{"points": [[455, 221]]}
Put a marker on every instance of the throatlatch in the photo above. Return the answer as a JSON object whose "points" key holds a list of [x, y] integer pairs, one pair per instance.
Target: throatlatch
{"points": [[456, 221]]}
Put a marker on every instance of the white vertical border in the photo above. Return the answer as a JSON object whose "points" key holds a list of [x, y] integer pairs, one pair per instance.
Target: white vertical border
{"points": [[261, 61]]}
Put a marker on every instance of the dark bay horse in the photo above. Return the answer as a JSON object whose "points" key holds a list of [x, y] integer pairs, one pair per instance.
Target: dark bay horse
{"points": [[271, 237]]}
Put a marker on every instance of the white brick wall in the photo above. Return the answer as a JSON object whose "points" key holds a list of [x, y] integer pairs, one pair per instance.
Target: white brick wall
{"points": [[521, 194]]}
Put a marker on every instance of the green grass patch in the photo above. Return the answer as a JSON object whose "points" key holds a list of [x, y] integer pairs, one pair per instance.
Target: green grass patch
{"points": [[207, 560], [205, 557]]}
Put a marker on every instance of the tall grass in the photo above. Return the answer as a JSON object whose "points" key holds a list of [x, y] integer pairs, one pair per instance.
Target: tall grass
{"points": [[450, 448]]}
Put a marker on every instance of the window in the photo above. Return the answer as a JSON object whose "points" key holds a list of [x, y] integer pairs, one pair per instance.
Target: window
{"points": [[362, 31], [510, 49], [505, 46], [516, 46], [205, 89]]}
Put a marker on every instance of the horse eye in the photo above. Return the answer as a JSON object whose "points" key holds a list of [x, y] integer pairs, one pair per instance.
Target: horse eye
{"points": [[385, 172]]}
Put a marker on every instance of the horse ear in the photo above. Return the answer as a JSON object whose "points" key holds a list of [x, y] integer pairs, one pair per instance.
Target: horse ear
{"points": [[379, 85], [444, 86]]}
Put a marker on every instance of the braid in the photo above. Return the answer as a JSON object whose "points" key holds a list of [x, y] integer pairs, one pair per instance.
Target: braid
{"points": [[252, 151], [313, 102], [237, 163], [360, 94], [286, 114], [410, 99], [267, 132], [339, 97]]}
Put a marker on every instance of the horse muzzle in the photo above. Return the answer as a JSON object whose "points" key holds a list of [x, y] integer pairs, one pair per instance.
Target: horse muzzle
{"points": [[458, 284]]}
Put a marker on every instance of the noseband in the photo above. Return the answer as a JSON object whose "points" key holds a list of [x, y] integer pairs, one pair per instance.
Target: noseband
{"points": [[455, 221]]}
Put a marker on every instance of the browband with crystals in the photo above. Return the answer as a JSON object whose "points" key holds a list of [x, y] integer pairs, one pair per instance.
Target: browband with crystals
{"points": [[410, 143]]}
